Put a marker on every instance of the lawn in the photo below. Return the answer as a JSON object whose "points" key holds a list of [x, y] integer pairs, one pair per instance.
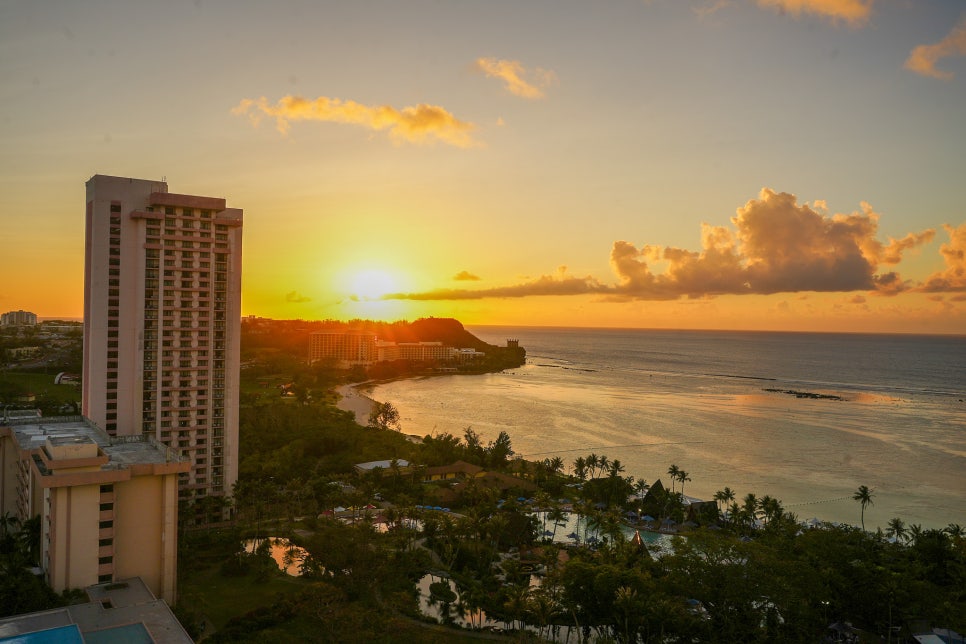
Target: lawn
{"points": [[41, 385]]}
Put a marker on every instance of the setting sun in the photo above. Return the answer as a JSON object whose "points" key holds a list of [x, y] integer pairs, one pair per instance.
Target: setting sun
{"points": [[372, 284]]}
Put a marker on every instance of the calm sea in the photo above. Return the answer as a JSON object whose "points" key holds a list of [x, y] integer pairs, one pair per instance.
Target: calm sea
{"points": [[700, 400]]}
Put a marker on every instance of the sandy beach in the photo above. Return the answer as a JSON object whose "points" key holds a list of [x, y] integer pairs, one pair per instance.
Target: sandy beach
{"points": [[351, 399]]}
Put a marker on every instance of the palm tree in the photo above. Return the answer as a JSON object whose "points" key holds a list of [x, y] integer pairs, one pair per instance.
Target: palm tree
{"points": [[749, 509], [897, 529], [641, 488], [864, 496], [592, 463], [955, 531], [603, 463], [771, 508], [725, 496], [555, 465], [674, 472], [580, 468], [683, 476]]}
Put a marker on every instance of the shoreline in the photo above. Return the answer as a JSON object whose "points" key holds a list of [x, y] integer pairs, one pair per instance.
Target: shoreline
{"points": [[352, 400]]}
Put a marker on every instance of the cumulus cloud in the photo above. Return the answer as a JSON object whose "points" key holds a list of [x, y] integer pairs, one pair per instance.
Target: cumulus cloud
{"points": [[854, 12], [516, 79], [775, 245], [296, 297], [415, 124], [953, 277], [466, 276], [923, 58]]}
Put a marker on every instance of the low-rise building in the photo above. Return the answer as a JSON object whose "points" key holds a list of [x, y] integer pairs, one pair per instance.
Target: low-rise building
{"points": [[122, 611], [108, 506]]}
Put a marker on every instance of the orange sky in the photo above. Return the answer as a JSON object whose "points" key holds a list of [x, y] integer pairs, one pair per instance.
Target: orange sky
{"points": [[747, 164]]}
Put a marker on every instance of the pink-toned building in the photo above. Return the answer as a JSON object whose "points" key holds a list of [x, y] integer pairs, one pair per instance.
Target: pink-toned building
{"points": [[108, 506], [162, 311]]}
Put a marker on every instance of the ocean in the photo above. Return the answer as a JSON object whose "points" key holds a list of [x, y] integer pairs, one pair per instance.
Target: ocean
{"points": [[804, 417]]}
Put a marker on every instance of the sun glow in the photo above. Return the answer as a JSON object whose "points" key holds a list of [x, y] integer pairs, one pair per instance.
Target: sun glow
{"points": [[372, 284]]}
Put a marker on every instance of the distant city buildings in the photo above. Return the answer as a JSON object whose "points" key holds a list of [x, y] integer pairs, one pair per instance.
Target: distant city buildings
{"points": [[162, 310], [108, 507], [349, 348], [18, 318]]}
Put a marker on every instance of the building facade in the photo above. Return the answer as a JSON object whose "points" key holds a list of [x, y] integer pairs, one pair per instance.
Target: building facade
{"points": [[346, 348], [162, 311], [108, 506], [18, 318], [362, 348]]}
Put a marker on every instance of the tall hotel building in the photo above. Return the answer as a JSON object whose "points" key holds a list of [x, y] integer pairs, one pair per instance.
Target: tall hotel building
{"points": [[162, 310]]}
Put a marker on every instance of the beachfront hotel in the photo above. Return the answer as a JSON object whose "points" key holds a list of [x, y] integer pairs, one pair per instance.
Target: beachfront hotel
{"points": [[108, 506], [352, 348], [162, 310]]}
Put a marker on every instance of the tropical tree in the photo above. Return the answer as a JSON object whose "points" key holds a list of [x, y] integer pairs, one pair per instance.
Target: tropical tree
{"points": [[725, 496], [749, 509], [864, 496], [674, 472], [683, 476], [580, 468], [500, 450], [555, 465], [915, 533], [640, 486], [897, 530], [603, 463], [384, 416]]}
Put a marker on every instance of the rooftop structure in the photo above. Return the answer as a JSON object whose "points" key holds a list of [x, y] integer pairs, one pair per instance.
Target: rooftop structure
{"points": [[123, 611], [108, 505]]}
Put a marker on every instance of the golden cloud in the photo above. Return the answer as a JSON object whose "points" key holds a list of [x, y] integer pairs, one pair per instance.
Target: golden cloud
{"points": [[854, 12], [466, 276], [416, 124], [953, 277], [776, 245], [923, 58], [515, 77]]}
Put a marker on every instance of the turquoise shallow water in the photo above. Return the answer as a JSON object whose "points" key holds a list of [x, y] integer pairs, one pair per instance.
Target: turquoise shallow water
{"points": [[701, 400]]}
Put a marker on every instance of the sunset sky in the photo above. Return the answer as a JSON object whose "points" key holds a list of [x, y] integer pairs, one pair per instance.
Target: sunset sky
{"points": [[727, 164]]}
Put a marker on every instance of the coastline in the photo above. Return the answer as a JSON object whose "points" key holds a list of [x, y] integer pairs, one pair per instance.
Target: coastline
{"points": [[351, 399]]}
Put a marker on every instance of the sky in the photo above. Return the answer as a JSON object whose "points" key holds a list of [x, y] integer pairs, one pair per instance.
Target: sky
{"points": [[720, 164]]}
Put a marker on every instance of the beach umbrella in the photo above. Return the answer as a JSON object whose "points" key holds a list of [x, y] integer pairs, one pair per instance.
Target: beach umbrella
{"points": [[339, 509], [647, 517]]}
